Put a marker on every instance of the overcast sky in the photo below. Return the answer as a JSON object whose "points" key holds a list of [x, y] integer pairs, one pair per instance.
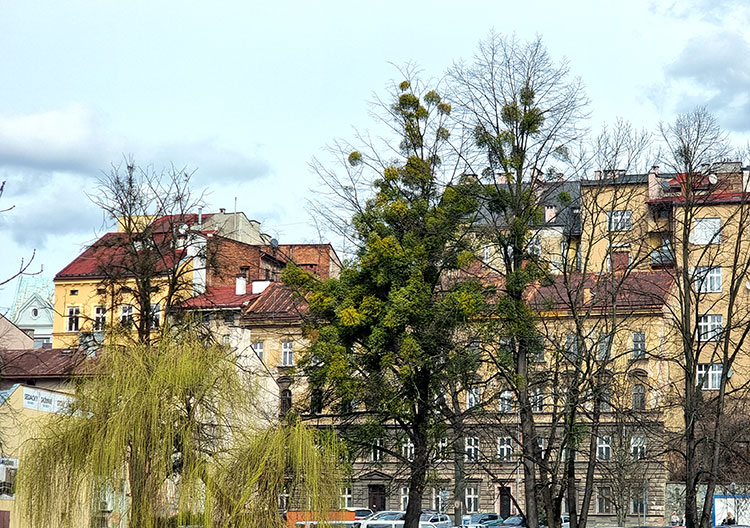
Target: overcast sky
{"points": [[247, 93]]}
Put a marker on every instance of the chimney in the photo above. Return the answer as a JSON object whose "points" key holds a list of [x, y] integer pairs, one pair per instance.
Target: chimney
{"points": [[260, 285], [240, 285], [200, 218], [597, 175], [586, 295], [222, 210]]}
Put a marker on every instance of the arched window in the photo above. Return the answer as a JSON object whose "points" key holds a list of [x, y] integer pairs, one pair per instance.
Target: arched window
{"points": [[639, 397], [286, 401]]}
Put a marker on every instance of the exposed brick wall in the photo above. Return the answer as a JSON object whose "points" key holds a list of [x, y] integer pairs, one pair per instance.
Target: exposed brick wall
{"points": [[317, 258], [227, 257]]}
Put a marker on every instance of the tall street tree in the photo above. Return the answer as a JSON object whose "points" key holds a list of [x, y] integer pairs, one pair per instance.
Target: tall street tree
{"points": [[387, 333]]}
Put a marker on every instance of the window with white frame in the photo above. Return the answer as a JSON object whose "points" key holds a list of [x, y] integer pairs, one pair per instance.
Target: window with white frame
{"points": [[605, 400], [541, 443], [472, 397], [440, 499], [258, 349], [603, 448], [486, 253], [639, 345], [708, 279], [155, 315], [74, 314], [283, 500], [505, 403], [100, 318], [407, 450], [8, 470], [620, 220], [535, 247], [287, 354], [471, 498], [536, 397], [346, 497], [504, 448], [404, 497], [126, 315], [709, 376], [706, 231], [376, 450], [472, 448], [710, 327], [441, 449], [638, 447], [604, 500]]}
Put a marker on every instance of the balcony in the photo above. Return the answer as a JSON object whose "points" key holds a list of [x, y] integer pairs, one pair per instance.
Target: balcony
{"points": [[662, 258]]}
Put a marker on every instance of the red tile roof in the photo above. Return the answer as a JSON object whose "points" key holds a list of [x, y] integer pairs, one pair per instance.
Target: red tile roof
{"points": [[108, 256], [276, 302], [219, 297], [639, 289], [41, 363]]}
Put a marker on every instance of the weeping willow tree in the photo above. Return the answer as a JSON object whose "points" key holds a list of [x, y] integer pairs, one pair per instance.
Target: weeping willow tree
{"points": [[174, 421]]}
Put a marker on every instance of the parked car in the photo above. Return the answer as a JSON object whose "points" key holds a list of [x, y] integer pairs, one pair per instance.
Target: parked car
{"points": [[480, 518], [385, 523], [440, 520], [515, 520], [360, 513], [331, 524]]}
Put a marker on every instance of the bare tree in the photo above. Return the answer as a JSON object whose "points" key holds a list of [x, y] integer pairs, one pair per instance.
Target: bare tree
{"points": [[708, 217], [158, 255], [25, 265]]}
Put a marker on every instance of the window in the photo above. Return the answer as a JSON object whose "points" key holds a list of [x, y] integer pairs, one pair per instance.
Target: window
{"points": [[228, 318], [536, 348], [486, 253], [74, 292], [706, 231], [8, 470], [605, 343], [639, 397], [440, 499], [639, 345], [316, 401], [619, 220], [605, 401], [710, 327], [603, 500], [639, 502], [100, 318], [346, 497], [536, 398], [73, 319], [571, 347], [258, 349], [541, 442], [472, 397], [441, 450], [535, 247], [506, 401], [471, 499], [287, 354], [283, 500], [155, 315], [708, 279], [603, 448], [504, 448], [404, 497], [126, 315], [376, 450], [638, 447], [472, 448], [286, 401], [709, 376], [407, 450], [35, 313]]}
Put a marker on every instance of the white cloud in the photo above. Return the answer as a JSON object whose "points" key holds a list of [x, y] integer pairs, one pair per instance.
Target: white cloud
{"points": [[67, 138]]}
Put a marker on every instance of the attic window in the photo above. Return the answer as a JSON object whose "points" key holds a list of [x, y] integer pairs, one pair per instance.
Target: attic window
{"points": [[101, 291], [35, 312], [74, 292]]}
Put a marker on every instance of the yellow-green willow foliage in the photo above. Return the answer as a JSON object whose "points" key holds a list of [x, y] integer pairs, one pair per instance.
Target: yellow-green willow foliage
{"points": [[178, 412]]}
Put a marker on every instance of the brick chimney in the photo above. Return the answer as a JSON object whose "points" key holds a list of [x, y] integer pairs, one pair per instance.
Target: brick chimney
{"points": [[240, 285]]}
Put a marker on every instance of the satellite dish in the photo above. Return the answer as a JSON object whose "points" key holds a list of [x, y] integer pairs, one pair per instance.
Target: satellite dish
{"points": [[665, 185], [274, 243], [747, 285], [182, 229], [712, 179]]}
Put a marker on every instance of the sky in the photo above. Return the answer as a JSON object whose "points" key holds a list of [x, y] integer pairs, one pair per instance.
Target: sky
{"points": [[247, 93]]}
